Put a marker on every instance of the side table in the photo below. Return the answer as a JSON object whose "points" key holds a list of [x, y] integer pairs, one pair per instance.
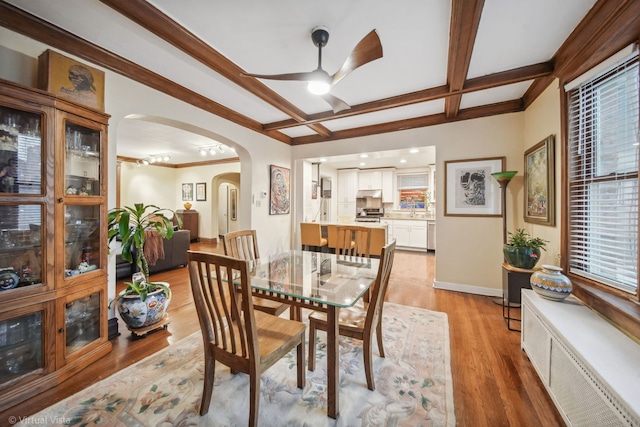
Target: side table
{"points": [[513, 281], [189, 222]]}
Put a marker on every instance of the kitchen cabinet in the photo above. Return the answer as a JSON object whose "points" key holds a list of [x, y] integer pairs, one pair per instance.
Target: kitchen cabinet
{"points": [[53, 259], [389, 224], [388, 179], [431, 235], [370, 180], [347, 190], [410, 233]]}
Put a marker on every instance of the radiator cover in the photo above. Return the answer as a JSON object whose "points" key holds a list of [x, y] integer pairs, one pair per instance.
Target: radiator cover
{"points": [[590, 369]]}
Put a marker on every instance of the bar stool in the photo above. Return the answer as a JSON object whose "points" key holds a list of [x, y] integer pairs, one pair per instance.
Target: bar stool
{"points": [[311, 236]]}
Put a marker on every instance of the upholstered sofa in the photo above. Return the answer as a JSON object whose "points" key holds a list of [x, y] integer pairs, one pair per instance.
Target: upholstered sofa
{"points": [[175, 255]]}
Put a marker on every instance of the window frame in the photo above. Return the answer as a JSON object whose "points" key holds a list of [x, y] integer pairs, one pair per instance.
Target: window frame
{"points": [[620, 307]]}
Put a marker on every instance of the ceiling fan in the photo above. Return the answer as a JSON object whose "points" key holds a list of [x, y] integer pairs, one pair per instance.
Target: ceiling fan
{"points": [[320, 82]]}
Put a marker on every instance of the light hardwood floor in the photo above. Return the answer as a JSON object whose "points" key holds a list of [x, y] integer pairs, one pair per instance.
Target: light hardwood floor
{"points": [[493, 381]]}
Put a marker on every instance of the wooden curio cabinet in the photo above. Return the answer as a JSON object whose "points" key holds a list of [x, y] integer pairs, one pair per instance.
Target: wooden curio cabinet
{"points": [[53, 261]]}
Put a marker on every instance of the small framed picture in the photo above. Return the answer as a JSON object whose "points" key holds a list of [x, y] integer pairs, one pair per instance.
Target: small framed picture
{"points": [[470, 190], [187, 192], [201, 191], [233, 199], [539, 183]]}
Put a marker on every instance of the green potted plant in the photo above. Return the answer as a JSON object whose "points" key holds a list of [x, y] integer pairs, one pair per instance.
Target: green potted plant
{"points": [[142, 303], [522, 250]]}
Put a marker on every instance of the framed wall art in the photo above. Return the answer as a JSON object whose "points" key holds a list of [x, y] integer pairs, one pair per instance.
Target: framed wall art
{"points": [[470, 190], [539, 183], [70, 79], [201, 191], [187, 192], [314, 189], [280, 196], [233, 204]]}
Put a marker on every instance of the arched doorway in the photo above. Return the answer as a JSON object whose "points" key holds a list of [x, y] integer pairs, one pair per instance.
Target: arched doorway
{"points": [[225, 202]]}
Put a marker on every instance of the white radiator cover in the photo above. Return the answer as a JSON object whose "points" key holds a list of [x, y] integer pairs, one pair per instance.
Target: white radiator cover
{"points": [[590, 369]]}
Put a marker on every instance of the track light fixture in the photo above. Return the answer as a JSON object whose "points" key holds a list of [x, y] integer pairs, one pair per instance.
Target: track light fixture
{"points": [[211, 149], [155, 158]]}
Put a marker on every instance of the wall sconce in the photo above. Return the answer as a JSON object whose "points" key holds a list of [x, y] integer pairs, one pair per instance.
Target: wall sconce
{"points": [[156, 158]]}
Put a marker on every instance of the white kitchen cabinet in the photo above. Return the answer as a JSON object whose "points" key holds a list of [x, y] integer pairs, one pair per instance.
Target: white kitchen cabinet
{"points": [[431, 235], [410, 233], [389, 224], [370, 180], [347, 187], [346, 209], [388, 178]]}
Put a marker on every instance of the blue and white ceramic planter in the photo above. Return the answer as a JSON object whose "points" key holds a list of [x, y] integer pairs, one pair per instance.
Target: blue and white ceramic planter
{"points": [[550, 283], [138, 314]]}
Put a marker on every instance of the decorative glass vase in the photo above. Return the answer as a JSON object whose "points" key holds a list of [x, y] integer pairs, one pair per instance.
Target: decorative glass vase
{"points": [[521, 257], [550, 283]]}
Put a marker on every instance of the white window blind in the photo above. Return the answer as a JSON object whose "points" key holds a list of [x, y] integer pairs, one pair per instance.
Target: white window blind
{"points": [[413, 182], [603, 177]]}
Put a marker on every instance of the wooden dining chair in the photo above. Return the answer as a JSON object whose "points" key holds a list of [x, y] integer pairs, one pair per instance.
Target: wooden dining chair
{"points": [[360, 320], [332, 237], [353, 240], [234, 334], [311, 236], [243, 244]]}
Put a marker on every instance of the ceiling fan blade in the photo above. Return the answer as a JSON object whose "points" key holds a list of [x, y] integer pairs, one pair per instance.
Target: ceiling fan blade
{"points": [[367, 50], [307, 76], [336, 103]]}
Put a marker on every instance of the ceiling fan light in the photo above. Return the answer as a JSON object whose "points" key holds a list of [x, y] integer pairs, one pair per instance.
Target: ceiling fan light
{"points": [[318, 87]]}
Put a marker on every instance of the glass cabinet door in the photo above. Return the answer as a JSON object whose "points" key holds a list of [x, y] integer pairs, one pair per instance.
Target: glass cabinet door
{"points": [[82, 321], [20, 152], [20, 346], [82, 161], [21, 239], [82, 239]]}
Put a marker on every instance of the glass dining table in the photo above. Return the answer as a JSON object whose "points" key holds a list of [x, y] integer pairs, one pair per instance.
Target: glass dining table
{"points": [[318, 281]]}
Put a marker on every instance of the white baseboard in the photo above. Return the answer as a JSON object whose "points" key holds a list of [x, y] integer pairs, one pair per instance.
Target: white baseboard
{"points": [[469, 289]]}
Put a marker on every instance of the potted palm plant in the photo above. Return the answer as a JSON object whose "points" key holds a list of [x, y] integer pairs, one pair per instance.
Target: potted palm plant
{"points": [[142, 303], [522, 250]]}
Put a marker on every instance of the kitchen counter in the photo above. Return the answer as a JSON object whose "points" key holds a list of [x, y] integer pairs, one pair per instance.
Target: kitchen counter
{"points": [[415, 218]]}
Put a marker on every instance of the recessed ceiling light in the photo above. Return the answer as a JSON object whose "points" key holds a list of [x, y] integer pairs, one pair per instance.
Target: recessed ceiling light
{"points": [[364, 156], [414, 151], [362, 163], [323, 159], [403, 161]]}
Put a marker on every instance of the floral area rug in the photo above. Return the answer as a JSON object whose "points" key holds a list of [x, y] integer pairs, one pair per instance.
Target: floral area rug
{"points": [[413, 385]]}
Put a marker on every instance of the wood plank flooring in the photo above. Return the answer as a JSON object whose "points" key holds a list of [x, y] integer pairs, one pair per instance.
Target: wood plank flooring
{"points": [[494, 382]]}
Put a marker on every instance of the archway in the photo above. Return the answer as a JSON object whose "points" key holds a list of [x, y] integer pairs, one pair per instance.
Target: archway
{"points": [[233, 181]]}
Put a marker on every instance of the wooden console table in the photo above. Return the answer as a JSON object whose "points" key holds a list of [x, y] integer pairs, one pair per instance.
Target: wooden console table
{"points": [[189, 222]]}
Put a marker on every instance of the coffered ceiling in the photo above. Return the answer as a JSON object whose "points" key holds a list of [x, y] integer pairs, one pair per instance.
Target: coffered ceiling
{"points": [[443, 60]]}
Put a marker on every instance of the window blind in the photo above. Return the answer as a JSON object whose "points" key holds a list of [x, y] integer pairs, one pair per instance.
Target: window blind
{"points": [[413, 181], [603, 177]]}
